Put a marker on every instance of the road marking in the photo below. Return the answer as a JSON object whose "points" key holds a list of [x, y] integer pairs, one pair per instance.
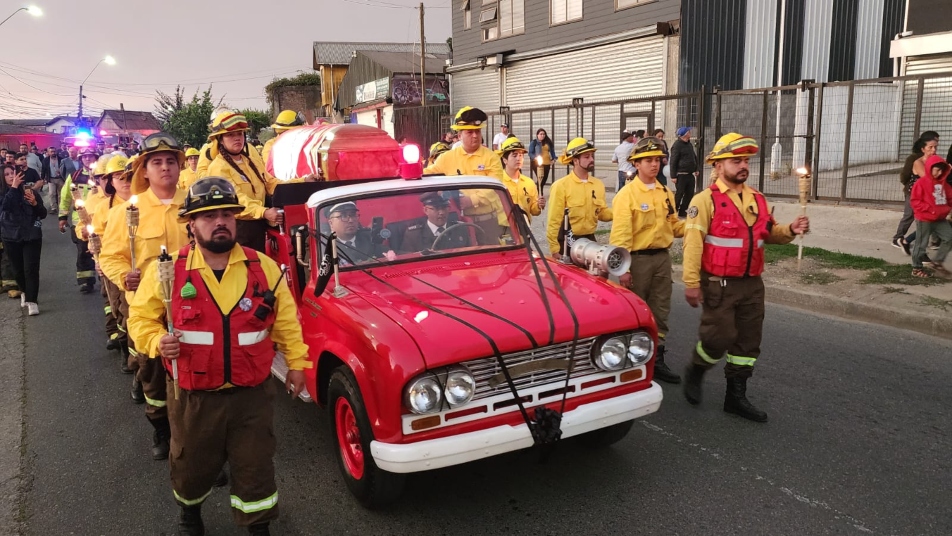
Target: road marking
{"points": [[814, 503]]}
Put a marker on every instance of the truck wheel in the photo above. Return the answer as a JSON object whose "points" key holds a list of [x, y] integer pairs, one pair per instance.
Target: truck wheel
{"points": [[606, 436], [351, 433]]}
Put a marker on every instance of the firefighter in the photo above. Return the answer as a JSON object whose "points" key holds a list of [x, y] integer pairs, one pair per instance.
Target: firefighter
{"points": [[223, 413], [579, 192], [472, 158], [723, 260], [115, 339], [233, 160], [646, 224], [285, 121], [521, 188], [155, 176], [436, 150], [116, 184], [190, 174], [83, 179]]}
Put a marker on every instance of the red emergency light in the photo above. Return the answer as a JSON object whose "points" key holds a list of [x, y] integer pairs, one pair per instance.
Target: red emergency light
{"points": [[411, 167]]}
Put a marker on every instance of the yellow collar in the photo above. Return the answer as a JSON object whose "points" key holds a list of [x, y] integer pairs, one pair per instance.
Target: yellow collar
{"points": [[197, 260]]}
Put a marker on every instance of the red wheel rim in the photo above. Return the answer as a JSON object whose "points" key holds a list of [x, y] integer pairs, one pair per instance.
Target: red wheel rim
{"points": [[348, 437]]}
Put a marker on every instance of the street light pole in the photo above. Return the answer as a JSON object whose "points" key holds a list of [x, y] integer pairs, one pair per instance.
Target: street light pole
{"points": [[32, 10], [108, 60]]}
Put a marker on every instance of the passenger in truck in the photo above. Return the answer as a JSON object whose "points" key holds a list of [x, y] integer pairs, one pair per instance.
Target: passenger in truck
{"points": [[354, 243], [421, 236]]}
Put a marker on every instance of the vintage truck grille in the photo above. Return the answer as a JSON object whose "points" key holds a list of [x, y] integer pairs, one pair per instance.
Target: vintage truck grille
{"points": [[486, 368]]}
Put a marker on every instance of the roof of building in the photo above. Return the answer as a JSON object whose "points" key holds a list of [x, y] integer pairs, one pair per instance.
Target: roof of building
{"points": [[405, 62], [131, 120], [26, 122], [339, 53], [6, 128]]}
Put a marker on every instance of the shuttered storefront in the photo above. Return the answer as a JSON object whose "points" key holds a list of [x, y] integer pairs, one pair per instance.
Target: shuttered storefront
{"points": [[628, 69], [478, 88]]}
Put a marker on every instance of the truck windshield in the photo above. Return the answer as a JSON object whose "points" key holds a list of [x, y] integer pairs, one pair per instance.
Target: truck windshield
{"points": [[380, 228]]}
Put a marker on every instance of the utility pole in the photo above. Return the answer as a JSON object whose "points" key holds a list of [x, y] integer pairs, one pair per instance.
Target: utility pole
{"points": [[422, 60], [79, 118]]}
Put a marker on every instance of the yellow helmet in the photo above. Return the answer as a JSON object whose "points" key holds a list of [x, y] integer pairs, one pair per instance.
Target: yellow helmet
{"points": [[469, 118], [228, 122], [285, 120], [574, 149], [437, 149], [646, 147], [116, 163], [732, 145], [191, 151], [511, 145], [100, 167]]}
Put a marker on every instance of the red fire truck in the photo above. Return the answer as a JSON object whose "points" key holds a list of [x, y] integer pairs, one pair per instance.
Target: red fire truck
{"points": [[441, 334]]}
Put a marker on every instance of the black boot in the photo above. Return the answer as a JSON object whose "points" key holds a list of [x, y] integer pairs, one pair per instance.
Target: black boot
{"points": [[190, 524], [113, 344], [661, 370], [259, 529], [735, 401], [124, 359], [160, 439], [138, 397], [693, 378]]}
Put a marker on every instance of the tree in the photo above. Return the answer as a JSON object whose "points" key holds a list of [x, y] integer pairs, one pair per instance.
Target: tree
{"points": [[257, 120], [187, 121]]}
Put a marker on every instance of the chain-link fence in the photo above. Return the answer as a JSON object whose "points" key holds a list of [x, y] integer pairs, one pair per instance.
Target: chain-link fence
{"points": [[853, 136]]}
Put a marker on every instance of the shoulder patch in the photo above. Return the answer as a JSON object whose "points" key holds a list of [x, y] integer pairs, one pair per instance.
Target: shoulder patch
{"points": [[692, 212]]}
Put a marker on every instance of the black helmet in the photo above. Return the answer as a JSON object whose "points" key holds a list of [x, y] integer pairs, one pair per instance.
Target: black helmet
{"points": [[209, 193]]}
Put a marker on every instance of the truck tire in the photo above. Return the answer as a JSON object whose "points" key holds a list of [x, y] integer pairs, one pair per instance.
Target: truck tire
{"points": [[351, 435], [606, 436]]}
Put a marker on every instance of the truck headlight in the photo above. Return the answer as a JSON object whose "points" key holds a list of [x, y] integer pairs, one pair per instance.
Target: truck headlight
{"points": [[640, 347], [460, 387], [424, 395], [612, 354]]}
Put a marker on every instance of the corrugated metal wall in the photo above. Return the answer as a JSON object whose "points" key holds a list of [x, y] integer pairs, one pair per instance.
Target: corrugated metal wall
{"points": [[760, 51], [620, 70], [869, 31], [793, 37], [843, 40], [817, 26], [712, 44], [477, 88], [894, 12]]}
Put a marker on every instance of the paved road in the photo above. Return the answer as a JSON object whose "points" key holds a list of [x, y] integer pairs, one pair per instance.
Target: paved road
{"points": [[858, 443]]}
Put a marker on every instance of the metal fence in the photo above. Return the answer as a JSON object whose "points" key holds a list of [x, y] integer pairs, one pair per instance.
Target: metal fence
{"points": [[853, 135]]}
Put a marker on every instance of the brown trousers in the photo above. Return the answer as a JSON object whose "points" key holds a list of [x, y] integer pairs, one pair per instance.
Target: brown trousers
{"points": [[150, 372], [122, 305], [234, 425], [732, 323], [651, 281], [115, 323]]}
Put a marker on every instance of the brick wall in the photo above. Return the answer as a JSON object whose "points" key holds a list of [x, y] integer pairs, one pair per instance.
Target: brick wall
{"points": [[297, 98]]}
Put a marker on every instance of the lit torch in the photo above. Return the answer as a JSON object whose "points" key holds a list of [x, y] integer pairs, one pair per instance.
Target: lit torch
{"points": [[167, 279], [82, 212], [132, 222], [95, 246], [804, 184]]}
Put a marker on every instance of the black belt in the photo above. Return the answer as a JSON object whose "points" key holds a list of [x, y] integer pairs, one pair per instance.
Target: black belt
{"points": [[649, 251]]}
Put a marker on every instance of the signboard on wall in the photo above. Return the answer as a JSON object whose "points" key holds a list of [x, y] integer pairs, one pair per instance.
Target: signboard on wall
{"points": [[406, 90], [378, 89]]}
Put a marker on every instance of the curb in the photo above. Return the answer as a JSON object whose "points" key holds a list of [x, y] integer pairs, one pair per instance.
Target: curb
{"points": [[920, 322]]}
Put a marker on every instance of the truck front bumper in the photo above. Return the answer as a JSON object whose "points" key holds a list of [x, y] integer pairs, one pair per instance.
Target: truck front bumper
{"points": [[462, 448]]}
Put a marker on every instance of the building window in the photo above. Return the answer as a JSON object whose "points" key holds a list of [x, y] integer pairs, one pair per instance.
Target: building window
{"points": [[625, 4], [502, 18], [565, 11], [467, 15]]}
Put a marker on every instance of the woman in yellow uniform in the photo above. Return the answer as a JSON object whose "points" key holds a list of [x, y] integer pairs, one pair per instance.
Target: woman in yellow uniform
{"points": [[232, 160], [523, 191], [190, 174]]}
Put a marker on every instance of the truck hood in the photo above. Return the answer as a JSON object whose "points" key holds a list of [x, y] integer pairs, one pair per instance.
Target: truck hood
{"points": [[456, 309]]}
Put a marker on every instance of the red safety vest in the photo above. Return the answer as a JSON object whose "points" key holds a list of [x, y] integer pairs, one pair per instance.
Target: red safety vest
{"points": [[217, 348], [732, 248]]}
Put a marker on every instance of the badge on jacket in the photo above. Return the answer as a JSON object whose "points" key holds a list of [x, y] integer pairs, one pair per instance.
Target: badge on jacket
{"points": [[644, 207], [481, 167], [245, 304]]}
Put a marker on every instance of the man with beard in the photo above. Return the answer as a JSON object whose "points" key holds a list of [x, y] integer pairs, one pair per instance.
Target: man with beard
{"points": [[232, 310], [155, 175], [723, 260], [579, 192]]}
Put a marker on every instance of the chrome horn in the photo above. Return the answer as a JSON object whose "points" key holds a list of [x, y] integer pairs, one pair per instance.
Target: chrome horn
{"points": [[600, 258]]}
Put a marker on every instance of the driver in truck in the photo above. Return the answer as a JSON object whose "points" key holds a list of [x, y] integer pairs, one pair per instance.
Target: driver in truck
{"points": [[421, 236]]}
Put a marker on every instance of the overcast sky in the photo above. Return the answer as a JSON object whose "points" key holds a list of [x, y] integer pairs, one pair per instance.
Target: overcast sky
{"points": [[237, 45]]}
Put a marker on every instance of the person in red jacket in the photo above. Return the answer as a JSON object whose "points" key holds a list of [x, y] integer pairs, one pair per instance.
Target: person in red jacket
{"points": [[930, 199]]}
